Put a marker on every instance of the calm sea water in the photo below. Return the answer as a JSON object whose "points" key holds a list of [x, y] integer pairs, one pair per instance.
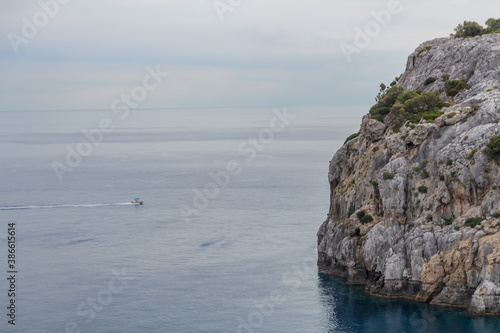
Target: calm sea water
{"points": [[88, 261]]}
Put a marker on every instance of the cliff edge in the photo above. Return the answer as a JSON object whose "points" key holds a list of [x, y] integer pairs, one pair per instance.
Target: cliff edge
{"points": [[415, 196]]}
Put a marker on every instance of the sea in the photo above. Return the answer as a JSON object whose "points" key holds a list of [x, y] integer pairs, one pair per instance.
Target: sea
{"points": [[225, 240]]}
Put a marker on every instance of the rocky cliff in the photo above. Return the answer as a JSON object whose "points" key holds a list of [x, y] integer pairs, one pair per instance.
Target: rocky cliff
{"points": [[415, 210]]}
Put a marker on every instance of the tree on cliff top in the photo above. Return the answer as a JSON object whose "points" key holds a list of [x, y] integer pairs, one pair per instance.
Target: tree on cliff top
{"points": [[468, 29], [492, 26], [473, 29]]}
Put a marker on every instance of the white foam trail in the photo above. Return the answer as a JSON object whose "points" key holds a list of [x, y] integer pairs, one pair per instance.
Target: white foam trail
{"points": [[64, 206]]}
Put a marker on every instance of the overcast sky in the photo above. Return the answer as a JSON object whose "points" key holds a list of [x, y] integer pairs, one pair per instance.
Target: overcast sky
{"points": [[88, 53]]}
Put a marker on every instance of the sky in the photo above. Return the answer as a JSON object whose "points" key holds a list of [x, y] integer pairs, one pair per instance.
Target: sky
{"points": [[87, 54]]}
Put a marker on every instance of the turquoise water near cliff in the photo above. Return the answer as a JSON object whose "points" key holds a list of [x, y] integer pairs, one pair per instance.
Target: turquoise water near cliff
{"points": [[88, 261]]}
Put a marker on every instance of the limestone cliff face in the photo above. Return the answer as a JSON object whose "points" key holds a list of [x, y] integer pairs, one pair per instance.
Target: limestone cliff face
{"points": [[436, 176]]}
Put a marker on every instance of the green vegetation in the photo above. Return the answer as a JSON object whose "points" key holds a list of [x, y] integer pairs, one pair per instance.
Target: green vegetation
{"points": [[394, 106], [472, 29], [441, 178], [350, 137], [468, 29], [493, 24], [455, 86], [425, 173], [492, 149], [422, 189], [421, 169], [385, 100], [449, 221], [374, 183], [473, 221], [470, 156], [427, 48], [388, 175], [496, 215], [364, 218], [457, 228], [428, 115], [453, 176], [429, 80], [449, 162], [396, 79]]}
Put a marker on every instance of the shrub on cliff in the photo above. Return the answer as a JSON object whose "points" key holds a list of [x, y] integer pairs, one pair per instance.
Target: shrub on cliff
{"points": [[422, 102], [428, 115], [385, 100], [388, 175], [422, 189], [492, 149], [395, 107], [364, 218], [455, 86], [427, 48], [473, 221], [350, 137], [429, 80]]}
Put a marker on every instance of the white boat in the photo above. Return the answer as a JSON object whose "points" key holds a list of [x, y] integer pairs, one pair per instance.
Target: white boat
{"points": [[136, 201]]}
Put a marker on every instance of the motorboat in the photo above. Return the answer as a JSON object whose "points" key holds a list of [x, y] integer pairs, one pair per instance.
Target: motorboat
{"points": [[136, 201]]}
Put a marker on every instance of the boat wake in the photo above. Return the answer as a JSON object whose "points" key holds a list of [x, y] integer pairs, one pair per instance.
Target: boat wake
{"points": [[65, 206]]}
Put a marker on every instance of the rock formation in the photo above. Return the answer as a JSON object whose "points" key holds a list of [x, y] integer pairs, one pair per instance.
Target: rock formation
{"points": [[402, 200]]}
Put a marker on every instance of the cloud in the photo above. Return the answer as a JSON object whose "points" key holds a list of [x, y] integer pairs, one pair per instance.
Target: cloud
{"points": [[265, 52]]}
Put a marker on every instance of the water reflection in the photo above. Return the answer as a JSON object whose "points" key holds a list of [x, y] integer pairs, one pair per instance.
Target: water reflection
{"points": [[348, 310]]}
